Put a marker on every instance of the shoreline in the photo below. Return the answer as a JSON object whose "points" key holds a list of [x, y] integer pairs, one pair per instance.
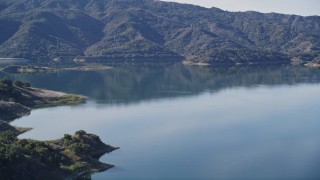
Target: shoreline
{"points": [[30, 69], [70, 160], [40, 98], [75, 155]]}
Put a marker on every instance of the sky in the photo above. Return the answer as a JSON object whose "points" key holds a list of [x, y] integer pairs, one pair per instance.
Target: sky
{"points": [[298, 7]]}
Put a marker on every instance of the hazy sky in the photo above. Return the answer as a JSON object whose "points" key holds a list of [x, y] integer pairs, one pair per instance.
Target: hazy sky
{"points": [[300, 7]]}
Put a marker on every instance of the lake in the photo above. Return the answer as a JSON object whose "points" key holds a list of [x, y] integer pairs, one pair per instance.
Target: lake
{"points": [[183, 122]]}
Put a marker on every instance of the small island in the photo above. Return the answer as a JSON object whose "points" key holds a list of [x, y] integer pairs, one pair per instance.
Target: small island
{"points": [[70, 157]]}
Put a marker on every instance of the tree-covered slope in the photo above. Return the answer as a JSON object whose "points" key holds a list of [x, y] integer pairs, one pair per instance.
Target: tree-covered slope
{"points": [[47, 29], [67, 158]]}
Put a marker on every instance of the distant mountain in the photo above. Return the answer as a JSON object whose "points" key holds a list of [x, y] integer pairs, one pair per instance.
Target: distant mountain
{"points": [[44, 30]]}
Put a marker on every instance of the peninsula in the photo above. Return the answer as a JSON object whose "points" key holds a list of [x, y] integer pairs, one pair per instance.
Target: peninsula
{"points": [[69, 157], [18, 98]]}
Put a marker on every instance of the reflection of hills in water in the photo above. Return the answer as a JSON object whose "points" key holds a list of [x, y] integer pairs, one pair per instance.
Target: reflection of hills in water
{"points": [[135, 82]]}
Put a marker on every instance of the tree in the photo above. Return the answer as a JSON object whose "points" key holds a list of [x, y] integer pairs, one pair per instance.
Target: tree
{"points": [[7, 82], [18, 83]]}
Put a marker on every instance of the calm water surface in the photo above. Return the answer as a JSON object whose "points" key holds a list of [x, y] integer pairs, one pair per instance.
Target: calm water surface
{"points": [[181, 122]]}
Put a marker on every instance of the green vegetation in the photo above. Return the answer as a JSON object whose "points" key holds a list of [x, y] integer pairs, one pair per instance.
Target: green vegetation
{"points": [[8, 90], [79, 166], [13, 149], [19, 156], [16, 99], [71, 99], [70, 156], [21, 84], [9, 149], [144, 30], [55, 159], [5, 84]]}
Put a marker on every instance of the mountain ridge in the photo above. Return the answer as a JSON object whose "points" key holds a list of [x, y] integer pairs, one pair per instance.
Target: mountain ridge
{"points": [[148, 29]]}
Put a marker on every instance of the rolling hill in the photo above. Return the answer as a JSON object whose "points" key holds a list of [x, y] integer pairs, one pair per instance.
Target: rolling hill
{"points": [[44, 30]]}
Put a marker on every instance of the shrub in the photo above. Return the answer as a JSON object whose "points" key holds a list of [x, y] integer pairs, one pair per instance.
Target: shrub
{"points": [[6, 82], [79, 166], [80, 133], [18, 83], [26, 85], [12, 100]]}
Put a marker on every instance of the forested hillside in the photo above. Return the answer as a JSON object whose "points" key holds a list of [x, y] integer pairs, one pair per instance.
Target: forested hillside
{"points": [[44, 30]]}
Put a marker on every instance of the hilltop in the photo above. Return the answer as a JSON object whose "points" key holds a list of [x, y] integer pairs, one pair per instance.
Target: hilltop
{"points": [[62, 30]]}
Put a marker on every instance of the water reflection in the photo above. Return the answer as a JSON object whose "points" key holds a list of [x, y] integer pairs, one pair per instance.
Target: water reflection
{"points": [[129, 83], [178, 122]]}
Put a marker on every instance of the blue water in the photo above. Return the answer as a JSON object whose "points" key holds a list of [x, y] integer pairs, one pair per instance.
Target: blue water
{"points": [[180, 122]]}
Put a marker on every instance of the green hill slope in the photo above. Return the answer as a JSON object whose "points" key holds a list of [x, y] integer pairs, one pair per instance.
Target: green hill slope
{"points": [[43, 30]]}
